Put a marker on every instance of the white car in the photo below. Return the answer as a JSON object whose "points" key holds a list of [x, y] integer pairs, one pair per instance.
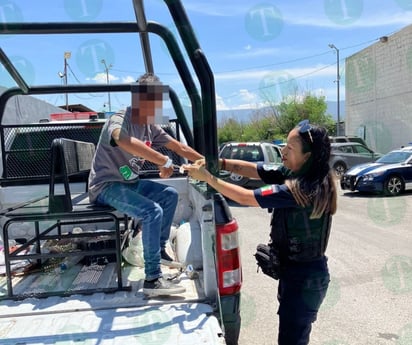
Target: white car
{"points": [[266, 152]]}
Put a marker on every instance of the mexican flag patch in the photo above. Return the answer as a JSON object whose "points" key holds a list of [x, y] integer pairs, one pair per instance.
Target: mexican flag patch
{"points": [[268, 190]]}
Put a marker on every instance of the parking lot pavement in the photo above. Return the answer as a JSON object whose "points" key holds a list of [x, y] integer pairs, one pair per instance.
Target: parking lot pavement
{"points": [[370, 258]]}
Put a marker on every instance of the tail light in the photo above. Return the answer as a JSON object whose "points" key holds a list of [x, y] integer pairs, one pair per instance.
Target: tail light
{"points": [[228, 258]]}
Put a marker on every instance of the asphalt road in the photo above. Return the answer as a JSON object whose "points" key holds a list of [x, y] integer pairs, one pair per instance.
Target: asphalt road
{"points": [[369, 300]]}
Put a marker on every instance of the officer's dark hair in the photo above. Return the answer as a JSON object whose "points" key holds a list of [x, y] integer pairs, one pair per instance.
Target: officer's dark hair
{"points": [[315, 184]]}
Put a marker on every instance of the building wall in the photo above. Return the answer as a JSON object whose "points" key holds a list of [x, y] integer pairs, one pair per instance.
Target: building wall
{"points": [[27, 109], [378, 85]]}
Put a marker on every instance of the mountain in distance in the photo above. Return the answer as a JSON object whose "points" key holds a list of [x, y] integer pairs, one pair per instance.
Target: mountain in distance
{"points": [[244, 115]]}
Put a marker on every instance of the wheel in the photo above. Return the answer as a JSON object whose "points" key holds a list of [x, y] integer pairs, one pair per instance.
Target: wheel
{"points": [[339, 169], [238, 179], [394, 185]]}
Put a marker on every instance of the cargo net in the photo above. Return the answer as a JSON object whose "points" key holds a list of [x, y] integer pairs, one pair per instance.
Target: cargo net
{"points": [[26, 148]]}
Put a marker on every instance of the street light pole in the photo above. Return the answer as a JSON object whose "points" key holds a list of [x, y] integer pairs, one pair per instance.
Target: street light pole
{"points": [[338, 86], [107, 80], [67, 55]]}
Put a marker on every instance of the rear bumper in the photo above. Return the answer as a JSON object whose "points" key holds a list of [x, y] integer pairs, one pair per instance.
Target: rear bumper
{"points": [[231, 317]]}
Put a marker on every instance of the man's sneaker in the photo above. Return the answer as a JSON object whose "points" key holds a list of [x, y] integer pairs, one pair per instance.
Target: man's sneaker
{"points": [[166, 260], [161, 287]]}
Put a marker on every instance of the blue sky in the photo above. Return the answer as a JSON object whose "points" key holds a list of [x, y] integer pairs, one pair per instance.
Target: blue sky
{"points": [[258, 50]]}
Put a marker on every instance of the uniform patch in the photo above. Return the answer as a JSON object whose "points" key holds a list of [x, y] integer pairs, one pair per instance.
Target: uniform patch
{"points": [[270, 166], [268, 190]]}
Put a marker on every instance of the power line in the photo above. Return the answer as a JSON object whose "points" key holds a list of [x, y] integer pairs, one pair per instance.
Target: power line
{"points": [[309, 57]]}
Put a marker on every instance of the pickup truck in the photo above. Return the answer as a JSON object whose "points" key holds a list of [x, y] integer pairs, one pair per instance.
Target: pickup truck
{"points": [[204, 240]]}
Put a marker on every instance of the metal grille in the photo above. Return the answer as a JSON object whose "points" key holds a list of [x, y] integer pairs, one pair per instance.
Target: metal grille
{"points": [[26, 148]]}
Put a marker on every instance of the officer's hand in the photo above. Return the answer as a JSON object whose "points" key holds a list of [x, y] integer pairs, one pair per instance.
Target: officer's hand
{"points": [[198, 172], [201, 162]]}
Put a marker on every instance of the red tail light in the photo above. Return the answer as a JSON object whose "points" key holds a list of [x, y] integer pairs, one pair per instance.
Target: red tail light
{"points": [[228, 258]]}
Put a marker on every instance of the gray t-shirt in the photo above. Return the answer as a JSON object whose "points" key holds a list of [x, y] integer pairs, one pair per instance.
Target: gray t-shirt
{"points": [[111, 163]]}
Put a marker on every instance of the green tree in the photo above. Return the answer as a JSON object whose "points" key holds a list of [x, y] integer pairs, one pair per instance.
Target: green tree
{"points": [[260, 127], [310, 107], [230, 130], [275, 121]]}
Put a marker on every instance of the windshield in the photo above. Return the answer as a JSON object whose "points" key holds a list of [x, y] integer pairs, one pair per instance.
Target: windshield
{"points": [[247, 153], [394, 157]]}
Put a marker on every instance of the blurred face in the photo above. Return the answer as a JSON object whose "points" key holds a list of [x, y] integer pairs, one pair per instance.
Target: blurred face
{"points": [[292, 155], [145, 108]]}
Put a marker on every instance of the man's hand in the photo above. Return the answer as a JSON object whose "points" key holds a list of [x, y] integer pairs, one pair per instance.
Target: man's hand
{"points": [[165, 172]]}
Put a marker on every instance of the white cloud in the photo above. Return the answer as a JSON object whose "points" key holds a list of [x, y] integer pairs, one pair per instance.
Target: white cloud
{"points": [[242, 99], [248, 53], [101, 78], [218, 8], [319, 70], [220, 103], [376, 16], [308, 14], [247, 96], [129, 79]]}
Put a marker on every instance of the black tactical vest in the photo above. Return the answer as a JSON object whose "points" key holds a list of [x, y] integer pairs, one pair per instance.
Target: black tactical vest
{"points": [[296, 237]]}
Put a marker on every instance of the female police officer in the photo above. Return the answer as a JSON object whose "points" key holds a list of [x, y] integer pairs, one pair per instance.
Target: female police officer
{"points": [[302, 195]]}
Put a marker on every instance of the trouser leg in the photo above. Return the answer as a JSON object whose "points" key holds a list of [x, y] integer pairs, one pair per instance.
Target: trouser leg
{"points": [[144, 200], [299, 302]]}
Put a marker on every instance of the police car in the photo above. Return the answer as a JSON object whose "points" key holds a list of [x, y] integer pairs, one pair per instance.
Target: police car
{"points": [[391, 174]]}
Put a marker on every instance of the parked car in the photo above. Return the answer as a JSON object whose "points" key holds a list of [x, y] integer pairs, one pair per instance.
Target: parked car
{"points": [[268, 153], [346, 155], [391, 174], [347, 138]]}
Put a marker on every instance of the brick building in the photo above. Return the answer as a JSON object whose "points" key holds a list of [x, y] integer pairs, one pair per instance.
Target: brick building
{"points": [[378, 86]]}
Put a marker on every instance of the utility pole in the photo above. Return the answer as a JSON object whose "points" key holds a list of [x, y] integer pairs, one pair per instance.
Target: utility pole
{"points": [[338, 87], [67, 56], [107, 80]]}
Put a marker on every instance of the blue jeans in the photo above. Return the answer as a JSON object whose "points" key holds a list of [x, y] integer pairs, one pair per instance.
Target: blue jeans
{"points": [[152, 202], [301, 292]]}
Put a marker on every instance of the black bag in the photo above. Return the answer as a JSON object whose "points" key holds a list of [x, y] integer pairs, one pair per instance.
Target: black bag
{"points": [[268, 260]]}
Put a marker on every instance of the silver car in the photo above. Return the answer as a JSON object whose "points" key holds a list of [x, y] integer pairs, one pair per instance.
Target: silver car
{"points": [[345, 155], [266, 152]]}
